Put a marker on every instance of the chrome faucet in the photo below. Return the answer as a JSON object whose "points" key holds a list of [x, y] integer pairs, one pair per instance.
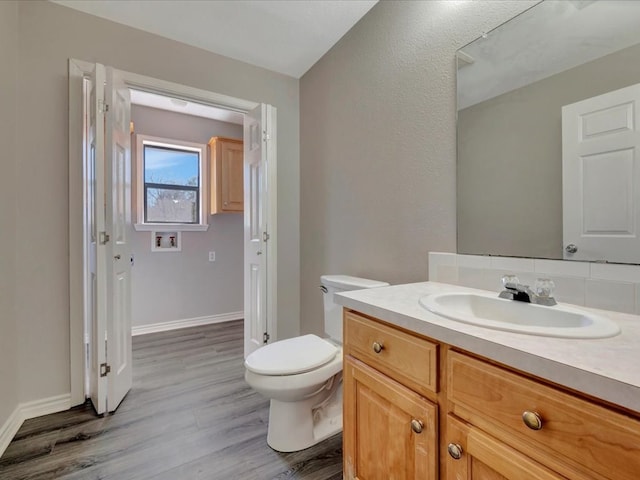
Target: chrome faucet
{"points": [[514, 290]]}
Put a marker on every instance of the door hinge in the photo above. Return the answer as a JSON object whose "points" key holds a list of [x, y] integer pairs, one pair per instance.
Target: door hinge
{"points": [[265, 236], [104, 238], [265, 136], [104, 369], [103, 107], [265, 337]]}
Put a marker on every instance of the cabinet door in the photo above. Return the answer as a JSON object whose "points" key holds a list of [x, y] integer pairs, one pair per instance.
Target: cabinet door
{"points": [[232, 157], [482, 457], [389, 430]]}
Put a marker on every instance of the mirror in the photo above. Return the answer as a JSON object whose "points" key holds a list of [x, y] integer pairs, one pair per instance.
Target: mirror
{"points": [[512, 85]]}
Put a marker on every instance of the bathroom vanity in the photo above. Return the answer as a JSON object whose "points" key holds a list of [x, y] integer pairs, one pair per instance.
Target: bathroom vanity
{"points": [[426, 397]]}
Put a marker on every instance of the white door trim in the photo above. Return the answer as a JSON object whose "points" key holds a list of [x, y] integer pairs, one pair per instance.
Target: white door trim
{"points": [[78, 70]]}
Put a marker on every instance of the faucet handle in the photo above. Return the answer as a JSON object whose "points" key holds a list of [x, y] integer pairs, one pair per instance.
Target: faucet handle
{"points": [[509, 280], [544, 287]]}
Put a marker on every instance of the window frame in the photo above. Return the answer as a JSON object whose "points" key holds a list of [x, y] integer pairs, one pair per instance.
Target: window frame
{"points": [[140, 186]]}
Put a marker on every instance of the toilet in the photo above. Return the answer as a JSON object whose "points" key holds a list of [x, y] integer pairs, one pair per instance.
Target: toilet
{"points": [[303, 376]]}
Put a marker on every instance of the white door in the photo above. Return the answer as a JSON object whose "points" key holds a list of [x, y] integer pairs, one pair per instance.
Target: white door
{"points": [[601, 177], [110, 364], [119, 227], [96, 165], [257, 128]]}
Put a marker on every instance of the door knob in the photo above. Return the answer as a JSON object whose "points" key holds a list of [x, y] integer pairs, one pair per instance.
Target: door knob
{"points": [[533, 420], [416, 425], [455, 451], [571, 248]]}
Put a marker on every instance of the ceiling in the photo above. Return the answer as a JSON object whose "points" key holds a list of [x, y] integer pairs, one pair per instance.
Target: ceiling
{"points": [[178, 105], [285, 36], [550, 38]]}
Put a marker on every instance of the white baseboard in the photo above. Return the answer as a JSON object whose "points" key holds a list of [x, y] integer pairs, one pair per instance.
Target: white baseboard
{"points": [[27, 410], [45, 406], [10, 428], [187, 322]]}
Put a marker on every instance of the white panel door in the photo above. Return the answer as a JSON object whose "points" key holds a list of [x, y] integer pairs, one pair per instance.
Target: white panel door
{"points": [[119, 225], [99, 281], [256, 232], [601, 177]]}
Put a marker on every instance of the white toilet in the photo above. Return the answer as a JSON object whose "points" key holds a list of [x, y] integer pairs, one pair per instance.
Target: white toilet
{"points": [[303, 376]]}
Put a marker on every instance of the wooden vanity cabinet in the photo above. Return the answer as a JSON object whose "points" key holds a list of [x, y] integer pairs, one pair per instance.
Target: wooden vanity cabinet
{"points": [[472, 454], [573, 436], [481, 406], [226, 175], [390, 430]]}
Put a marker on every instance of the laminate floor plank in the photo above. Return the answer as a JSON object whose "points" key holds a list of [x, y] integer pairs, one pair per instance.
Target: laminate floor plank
{"points": [[189, 416]]}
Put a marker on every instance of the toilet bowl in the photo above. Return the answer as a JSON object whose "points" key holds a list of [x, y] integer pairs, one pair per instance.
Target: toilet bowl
{"points": [[303, 376]]}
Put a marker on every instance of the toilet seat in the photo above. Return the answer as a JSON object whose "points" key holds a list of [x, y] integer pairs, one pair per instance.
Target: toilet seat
{"points": [[291, 356]]}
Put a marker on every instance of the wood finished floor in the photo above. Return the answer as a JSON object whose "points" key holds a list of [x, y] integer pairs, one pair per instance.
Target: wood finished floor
{"points": [[189, 416]]}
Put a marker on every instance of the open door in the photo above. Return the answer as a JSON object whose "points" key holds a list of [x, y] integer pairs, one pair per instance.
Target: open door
{"points": [[257, 137], [119, 226], [600, 177], [111, 353], [96, 175]]}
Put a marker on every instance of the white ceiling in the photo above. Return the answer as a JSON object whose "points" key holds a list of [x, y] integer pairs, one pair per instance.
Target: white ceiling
{"points": [[281, 35], [162, 102], [552, 37]]}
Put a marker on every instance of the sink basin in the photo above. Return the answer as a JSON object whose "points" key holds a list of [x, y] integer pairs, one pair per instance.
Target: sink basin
{"points": [[489, 311]]}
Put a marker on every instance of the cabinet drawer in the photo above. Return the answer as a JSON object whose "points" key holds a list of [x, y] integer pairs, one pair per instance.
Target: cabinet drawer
{"points": [[406, 358], [575, 431]]}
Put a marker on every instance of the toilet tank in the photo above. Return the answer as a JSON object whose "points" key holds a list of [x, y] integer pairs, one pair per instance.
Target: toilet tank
{"points": [[332, 311]]}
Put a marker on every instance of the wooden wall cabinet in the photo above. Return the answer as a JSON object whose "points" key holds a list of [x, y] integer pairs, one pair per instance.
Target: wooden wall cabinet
{"points": [[473, 412], [226, 175]]}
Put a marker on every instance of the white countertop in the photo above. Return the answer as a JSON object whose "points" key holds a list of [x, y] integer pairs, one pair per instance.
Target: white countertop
{"points": [[607, 368]]}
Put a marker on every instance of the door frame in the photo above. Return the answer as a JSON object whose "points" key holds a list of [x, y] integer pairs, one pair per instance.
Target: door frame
{"points": [[78, 70]]}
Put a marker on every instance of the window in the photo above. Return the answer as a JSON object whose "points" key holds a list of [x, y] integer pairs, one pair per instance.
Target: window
{"points": [[170, 183]]}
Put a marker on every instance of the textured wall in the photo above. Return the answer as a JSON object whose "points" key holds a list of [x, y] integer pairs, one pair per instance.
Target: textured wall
{"points": [[170, 286], [8, 191], [49, 35], [378, 139], [510, 159]]}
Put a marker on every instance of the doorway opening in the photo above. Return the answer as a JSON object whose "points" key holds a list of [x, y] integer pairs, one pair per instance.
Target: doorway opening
{"points": [[89, 356]]}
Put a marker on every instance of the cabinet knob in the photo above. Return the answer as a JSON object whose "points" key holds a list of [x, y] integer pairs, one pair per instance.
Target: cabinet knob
{"points": [[455, 451], [416, 425], [532, 420], [377, 347]]}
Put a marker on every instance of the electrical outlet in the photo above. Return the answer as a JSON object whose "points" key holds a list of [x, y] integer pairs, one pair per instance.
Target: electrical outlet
{"points": [[212, 256]]}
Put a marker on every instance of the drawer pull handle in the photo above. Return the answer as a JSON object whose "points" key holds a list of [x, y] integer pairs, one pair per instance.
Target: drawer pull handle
{"points": [[416, 425], [455, 451], [377, 347], [532, 420]]}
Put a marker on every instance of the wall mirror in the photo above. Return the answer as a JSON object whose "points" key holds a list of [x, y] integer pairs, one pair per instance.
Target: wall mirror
{"points": [[513, 85]]}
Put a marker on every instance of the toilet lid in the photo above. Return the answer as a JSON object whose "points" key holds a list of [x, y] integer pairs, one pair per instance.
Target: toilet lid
{"points": [[291, 356]]}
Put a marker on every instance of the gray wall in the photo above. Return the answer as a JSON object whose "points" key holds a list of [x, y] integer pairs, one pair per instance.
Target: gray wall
{"points": [[170, 286], [8, 190], [510, 159], [49, 35], [378, 134]]}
